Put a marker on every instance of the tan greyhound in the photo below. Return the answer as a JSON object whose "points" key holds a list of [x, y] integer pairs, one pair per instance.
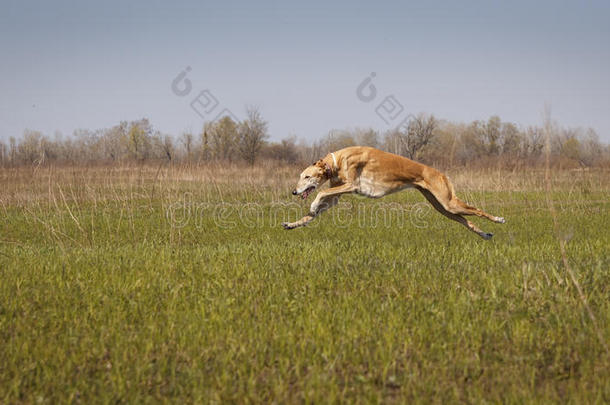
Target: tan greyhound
{"points": [[373, 173]]}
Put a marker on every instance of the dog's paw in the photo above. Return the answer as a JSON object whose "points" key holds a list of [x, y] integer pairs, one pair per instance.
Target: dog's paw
{"points": [[287, 225], [500, 220], [487, 235]]}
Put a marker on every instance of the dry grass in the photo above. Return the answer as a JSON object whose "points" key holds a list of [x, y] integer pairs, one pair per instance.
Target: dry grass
{"points": [[22, 185]]}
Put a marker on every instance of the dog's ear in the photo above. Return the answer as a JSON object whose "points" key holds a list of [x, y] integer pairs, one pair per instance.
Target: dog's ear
{"points": [[328, 171], [325, 168]]}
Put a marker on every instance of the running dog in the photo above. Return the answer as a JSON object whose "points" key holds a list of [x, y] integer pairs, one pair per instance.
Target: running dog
{"points": [[373, 173]]}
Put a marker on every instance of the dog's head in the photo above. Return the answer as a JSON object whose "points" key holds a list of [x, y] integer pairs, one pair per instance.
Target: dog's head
{"points": [[311, 178]]}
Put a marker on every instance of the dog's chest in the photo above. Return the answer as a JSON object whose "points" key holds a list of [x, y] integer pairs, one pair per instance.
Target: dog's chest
{"points": [[370, 188], [376, 189]]}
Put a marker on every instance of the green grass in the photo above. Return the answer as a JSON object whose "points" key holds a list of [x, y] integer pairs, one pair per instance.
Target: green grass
{"points": [[102, 300]]}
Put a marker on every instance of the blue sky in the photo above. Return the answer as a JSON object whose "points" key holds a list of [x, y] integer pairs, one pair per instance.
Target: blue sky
{"points": [[80, 64]]}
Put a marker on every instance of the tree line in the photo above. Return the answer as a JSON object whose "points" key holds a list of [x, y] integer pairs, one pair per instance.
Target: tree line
{"points": [[424, 138]]}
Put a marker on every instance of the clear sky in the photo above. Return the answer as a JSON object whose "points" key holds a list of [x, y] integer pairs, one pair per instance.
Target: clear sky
{"points": [[84, 64]]}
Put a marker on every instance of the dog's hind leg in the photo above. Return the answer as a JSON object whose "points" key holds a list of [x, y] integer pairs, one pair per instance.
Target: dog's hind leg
{"points": [[458, 206], [456, 217], [443, 191]]}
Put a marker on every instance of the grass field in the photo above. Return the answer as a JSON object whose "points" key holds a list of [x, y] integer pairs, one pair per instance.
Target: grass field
{"points": [[141, 285]]}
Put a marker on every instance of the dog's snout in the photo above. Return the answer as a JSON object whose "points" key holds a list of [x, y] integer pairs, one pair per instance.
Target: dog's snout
{"points": [[294, 192]]}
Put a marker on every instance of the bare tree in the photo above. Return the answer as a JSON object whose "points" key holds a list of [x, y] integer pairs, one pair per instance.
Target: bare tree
{"points": [[367, 137], [591, 148], [223, 138], [112, 141], [29, 148], [392, 142], [12, 150], [441, 150], [165, 145], [512, 140], [206, 150], [3, 154], [570, 147], [139, 139], [310, 153], [487, 135], [187, 139], [534, 142], [338, 139], [285, 150], [493, 133], [479, 143], [410, 141], [252, 135]]}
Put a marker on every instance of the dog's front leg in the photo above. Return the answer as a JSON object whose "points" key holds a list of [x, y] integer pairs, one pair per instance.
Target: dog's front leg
{"points": [[322, 203], [313, 211], [314, 208], [301, 222], [324, 200], [319, 205]]}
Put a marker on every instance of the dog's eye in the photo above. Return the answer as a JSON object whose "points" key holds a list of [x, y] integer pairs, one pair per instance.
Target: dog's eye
{"points": [[307, 177]]}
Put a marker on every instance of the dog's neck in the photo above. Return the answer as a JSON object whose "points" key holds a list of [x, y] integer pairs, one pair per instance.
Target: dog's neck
{"points": [[331, 168]]}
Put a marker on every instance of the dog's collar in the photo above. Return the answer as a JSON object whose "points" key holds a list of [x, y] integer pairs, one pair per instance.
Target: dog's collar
{"points": [[334, 160], [330, 169]]}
